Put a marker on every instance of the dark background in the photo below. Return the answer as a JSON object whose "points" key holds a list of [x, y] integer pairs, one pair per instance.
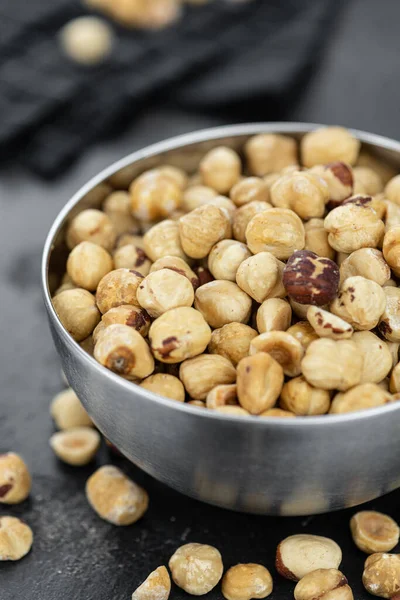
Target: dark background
{"points": [[76, 555]]}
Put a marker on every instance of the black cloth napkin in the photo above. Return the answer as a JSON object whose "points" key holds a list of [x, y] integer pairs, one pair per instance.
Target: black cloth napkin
{"points": [[248, 58]]}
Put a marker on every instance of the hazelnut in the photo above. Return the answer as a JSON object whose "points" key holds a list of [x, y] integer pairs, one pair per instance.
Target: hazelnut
{"points": [[226, 257], [117, 207], [301, 398], [250, 189], [196, 196], [16, 538], [298, 555], [67, 411], [323, 584], [221, 302], [339, 178], [163, 290], [311, 279], [132, 257], [154, 196], [392, 214], [165, 385], [394, 352], [86, 40], [394, 384], [259, 382], [361, 302], [361, 397], [317, 238], [276, 230], [243, 582], [384, 170], [274, 314], [329, 144], [220, 169], [88, 344], [303, 332], [304, 192], [232, 341], [391, 249], [91, 225], [117, 288], [244, 215], [377, 357], [277, 412], [115, 497], [222, 395], [374, 532], [15, 479], [129, 239], [77, 312], [300, 310], [326, 324], [392, 190], [367, 181], [260, 276], [201, 374], [226, 205], [368, 263], [283, 347], [390, 283], [332, 365], [270, 152], [77, 446], [87, 264], [157, 586], [179, 334], [64, 287], [196, 568], [123, 350], [133, 316], [197, 403], [352, 226], [177, 175], [176, 264], [381, 576], [233, 411], [389, 323], [202, 228], [163, 240]]}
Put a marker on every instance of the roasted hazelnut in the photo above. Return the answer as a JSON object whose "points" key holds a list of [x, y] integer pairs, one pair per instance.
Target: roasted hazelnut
{"points": [[283, 347], [157, 586], [381, 576], [361, 302], [87, 40], [339, 178], [226, 257], [163, 290], [176, 264], [64, 287], [352, 226], [301, 398], [163, 240], [154, 196], [15, 479], [384, 170], [244, 215], [250, 189], [117, 206], [274, 314], [391, 249], [303, 332], [132, 257], [77, 312], [87, 264], [220, 169], [232, 341], [389, 323], [329, 144], [91, 225], [179, 334], [270, 152], [300, 554], [300, 310], [196, 196], [392, 214], [276, 230], [392, 190], [259, 382], [124, 351], [117, 288], [233, 411], [77, 446], [201, 374], [332, 365], [323, 584], [177, 175], [165, 385], [394, 384], [16, 538], [377, 357], [202, 228], [325, 324], [311, 279], [115, 497], [277, 412], [361, 397], [260, 276], [317, 238], [129, 239], [243, 582], [133, 316], [226, 205], [374, 532], [196, 568], [304, 192], [394, 351], [367, 181], [368, 263], [68, 412], [222, 395], [221, 302]]}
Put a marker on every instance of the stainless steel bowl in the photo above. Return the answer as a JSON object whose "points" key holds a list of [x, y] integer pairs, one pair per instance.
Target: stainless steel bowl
{"points": [[267, 466]]}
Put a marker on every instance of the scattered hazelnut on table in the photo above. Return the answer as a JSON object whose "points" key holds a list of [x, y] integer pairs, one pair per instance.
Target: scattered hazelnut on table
{"points": [[331, 365], [361, 302], [325, 324], [270, 152], [368, 263], [302, 399], [15, 479], [381, 576], [77, 311], [298, 555], [202, 373], [67, 411], [260, 276], [220, 169], [176, 264], [250, 189], [323, 584], [222, 302], [283, 347], [226, 257], [165, 385], [247, 581], [374, 532], [77, 446], [274, 314], [132, 257], [117, 288], [16, 538], [154, 195], [222, 395], [389, 323], [232, 341], [276, 230], [164, 290], [360, 397], [329, 144], [126, 314], [202, 228], [196, 568], [317, 238], [259, 382], [163, 240], [123, 350], [377, 357], [304, 192], [311, 279], [87, 264], [244, 215], [157, 586], [91, 225]]}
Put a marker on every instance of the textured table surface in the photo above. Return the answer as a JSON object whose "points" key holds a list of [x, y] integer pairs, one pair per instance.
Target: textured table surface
{"points": [[75, 554]]}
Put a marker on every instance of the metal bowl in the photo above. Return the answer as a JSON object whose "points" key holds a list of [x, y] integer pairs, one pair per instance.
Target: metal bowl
{"points": [[267, 466]]}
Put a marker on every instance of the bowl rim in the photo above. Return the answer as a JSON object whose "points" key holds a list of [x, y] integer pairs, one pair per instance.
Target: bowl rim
{"points": [[174, 143]]}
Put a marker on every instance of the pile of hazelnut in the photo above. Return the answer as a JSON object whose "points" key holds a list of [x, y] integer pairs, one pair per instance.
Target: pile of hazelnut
{"points": [[253, 287]]}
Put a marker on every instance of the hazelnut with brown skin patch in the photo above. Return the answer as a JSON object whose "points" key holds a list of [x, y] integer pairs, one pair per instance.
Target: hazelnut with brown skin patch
{"points": [[15, 479], [91, 225], [243, 216], [124, 351], [154, 196], [232, 341], [374, 532], [323, 584], [381, 576], [77, 311], [179, 266], [117, 288], [339, 178], [354, 225], [298, 555], [202, 373], [389, 323], [361, 302], [311, 279], [259, 382], [132, 257], [325, 324], [270, 152], [133, 316]]}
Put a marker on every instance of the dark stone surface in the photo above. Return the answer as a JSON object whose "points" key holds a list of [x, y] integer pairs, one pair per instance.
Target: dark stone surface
{"points": [[75, 554]]}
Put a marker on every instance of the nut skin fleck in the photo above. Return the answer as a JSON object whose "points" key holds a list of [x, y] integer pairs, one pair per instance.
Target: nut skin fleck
{"points": [[342, 172], [4, 489], [311, 279], [168, 345]]}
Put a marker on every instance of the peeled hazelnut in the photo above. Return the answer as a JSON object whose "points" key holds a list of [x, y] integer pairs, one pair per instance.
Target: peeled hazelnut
{"points": [[196, 196], [202, 228], [389, 323], [300, 310], [361, 302], [277, 412], [259, 382], [384, 170], [163, 290], [154, 196], [221, 302], [300, 554], [133, 316], [311, 279], [392, 190], [115, 497], [381, 576], [68, 412], [233, 411], [361, 397], [87, 264], [394, 384], [325, 324], [303, 332], [374, 532], [178, 175], [232, 341], [301, 398], [179, 334], [367, 181], [117, 288], [227, 206], [276, 230], [117, 207], [222, 395], [352, 226], [317, 238], [260, 276], [176, 264], [394, 352], [129, 239], [377, 357], [243, 216], [283, 347], [77, 446], [15, 479], [243, 582], [220, 169], [197, 403], [226, 257], [77, 312], [165, 385], [323, 584], [329, 144], [91, 225], [196, 568], [304, 192], [201, 374], [368, 263], [163, 240], [124, 351], [339, 178], [248, 190], [132, 257], [274, 314], [157, 586], [270, 152], [392, 214], [391, 249], [16, 538], [331, 365]]}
